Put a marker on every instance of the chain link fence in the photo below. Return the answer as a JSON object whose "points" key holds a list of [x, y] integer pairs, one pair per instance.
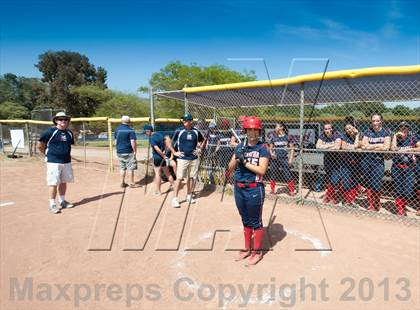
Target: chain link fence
{"points": [[347, 143]]}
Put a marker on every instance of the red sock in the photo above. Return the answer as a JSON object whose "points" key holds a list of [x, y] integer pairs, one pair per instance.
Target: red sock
{"points": [[258, 239], [333, 195], [248, 236], [400, 203], [347, 196], [377, 200], [371, 200], [353, 194], [291, 185], [327, 196], [272, 185]]}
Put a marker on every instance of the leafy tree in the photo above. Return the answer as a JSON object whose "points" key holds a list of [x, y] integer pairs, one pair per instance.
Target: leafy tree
{"points": [[64, 71], [89, 97], [122, 104], [12, 110], [176, 75], [401, 110]]}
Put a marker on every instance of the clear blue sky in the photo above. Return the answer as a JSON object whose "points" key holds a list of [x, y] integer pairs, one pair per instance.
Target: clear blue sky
{"points": [[133, 39]]}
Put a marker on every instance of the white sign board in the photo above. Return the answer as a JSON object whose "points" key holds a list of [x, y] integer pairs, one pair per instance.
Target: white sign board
{"points": [[17, 137]]}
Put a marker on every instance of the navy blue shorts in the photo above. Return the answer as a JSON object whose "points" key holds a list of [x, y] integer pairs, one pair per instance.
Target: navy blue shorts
{"points": [[374, 171], [279, 170], [249, 202], [332, 170], [350, 175], [404, 179]]}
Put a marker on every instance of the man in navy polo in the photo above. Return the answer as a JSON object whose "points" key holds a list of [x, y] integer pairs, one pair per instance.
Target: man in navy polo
{"points": [[55, 143], [189, 141], [126, 149]]}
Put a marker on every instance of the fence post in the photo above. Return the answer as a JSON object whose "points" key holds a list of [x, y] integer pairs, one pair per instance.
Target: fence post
{"points": [[152, 108], [28, 138], [301, 118], [1, 138], [84, 142], [111, 163], [185, 101]]}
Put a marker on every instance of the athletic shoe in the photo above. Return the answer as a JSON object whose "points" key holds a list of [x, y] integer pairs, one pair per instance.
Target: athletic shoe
{"points": [[255, 258], [66, 205], [54, 209], [242, 255], [124, 185], [190, 199], [175, 203], [157, 194]]}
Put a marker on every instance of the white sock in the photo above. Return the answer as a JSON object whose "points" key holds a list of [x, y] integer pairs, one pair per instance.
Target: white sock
{"points": [[52, 202], [61, 198]]}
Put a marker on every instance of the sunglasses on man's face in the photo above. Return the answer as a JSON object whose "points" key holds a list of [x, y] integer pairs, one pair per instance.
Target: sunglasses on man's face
{"points": [[62, 119]]}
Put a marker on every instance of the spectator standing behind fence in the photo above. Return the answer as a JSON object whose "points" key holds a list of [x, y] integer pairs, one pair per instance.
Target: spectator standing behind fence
{"points": [[280, 162], [210, 150], [188, 139], [126, 149], [350, 168], [376, 138], [160, 159], [330, 140], [55, 143], [404, 165]]}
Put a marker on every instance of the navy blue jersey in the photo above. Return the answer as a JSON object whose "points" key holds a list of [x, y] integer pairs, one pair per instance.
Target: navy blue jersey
{"points": [[252, 155], [187, 141], [58, 145], [124, 134], [375, 137], [156, 139], [212, 137], [402, 145], [280, 144], [331, 155], [224, 138]]}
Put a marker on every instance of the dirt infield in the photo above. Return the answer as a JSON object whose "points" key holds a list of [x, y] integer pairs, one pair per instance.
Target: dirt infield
{"points": [[119, 248]]}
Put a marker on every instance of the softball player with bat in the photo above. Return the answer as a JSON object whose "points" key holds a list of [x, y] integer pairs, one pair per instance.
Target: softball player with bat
{"points": [[403, 168], [330, 140], [350, 169], [250, 162], [373, 164], [280, 162]]}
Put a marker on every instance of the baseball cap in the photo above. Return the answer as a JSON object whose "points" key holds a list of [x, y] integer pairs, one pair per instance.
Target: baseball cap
{"points": [[60, 115], [187, 117], [212, 124], [147, 127], [404, 124], [125, 119]]}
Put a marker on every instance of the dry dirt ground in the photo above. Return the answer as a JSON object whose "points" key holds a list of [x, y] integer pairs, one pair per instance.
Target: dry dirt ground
{"points": [[122, 248]]}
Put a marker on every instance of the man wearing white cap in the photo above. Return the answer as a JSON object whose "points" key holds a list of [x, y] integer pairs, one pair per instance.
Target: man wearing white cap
{"points": [[126, 149], [55, 143]]}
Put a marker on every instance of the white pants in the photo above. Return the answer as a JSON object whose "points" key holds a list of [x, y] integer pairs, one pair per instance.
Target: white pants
{"points": [[59, 173]]}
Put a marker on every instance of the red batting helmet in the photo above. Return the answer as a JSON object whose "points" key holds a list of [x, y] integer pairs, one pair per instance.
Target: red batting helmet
{"points": [[225, 123], [252, 122]]}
